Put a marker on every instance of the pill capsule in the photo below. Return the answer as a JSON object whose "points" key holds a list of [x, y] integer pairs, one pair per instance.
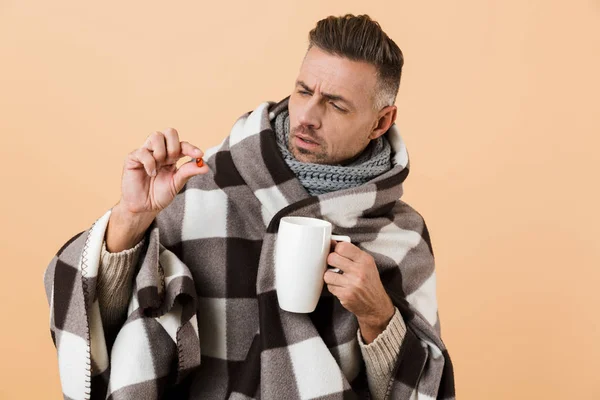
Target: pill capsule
{"points": [[199, 162]]}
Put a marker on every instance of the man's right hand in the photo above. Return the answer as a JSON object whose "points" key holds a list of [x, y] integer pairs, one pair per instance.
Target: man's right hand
{"points": [[149, 183]]}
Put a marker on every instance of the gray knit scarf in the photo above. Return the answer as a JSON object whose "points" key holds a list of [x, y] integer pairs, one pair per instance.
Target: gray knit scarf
{"points": [[322, 178]]}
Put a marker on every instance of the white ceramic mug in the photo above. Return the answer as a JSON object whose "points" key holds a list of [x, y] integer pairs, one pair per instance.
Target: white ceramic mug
{"points": [[301, 251]]}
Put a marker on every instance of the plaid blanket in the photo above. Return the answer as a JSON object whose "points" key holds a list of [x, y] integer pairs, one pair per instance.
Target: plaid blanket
{"points": [[203, 320]]}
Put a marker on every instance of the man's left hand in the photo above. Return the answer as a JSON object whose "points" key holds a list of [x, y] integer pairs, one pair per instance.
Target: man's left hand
{"points": [[359, 288]]}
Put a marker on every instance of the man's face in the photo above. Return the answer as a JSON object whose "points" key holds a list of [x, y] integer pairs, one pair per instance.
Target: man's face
{"points": [[332, 118]]}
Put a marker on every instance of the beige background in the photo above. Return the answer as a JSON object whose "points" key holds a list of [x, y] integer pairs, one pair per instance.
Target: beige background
{"points": [[499, 106]]}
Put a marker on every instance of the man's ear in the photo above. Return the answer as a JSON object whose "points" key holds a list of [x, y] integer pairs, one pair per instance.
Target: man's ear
{"points": [[385, 118]]}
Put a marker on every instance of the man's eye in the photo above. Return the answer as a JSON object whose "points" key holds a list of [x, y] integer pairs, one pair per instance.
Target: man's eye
{"points": [[337, 108], [303, 92]]}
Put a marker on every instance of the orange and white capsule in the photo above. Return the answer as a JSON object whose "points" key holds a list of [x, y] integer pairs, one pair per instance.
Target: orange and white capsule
{"points": [[199, 162]]}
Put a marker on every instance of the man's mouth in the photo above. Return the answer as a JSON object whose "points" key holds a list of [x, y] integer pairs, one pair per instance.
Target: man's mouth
{"points": [[305, 142], [306, 139]]}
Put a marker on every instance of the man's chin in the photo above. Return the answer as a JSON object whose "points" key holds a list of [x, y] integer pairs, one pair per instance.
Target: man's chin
{"points": [[306, 156], [303, 156]]}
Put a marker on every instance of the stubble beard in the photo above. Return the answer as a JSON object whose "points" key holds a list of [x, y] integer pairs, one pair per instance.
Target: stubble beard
{"points": [[304, 155]]}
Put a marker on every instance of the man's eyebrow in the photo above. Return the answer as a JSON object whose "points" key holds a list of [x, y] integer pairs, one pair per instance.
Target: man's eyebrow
{"points": [[329, 96]]}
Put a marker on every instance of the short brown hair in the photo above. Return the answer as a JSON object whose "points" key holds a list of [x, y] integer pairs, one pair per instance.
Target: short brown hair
{"points": [[359, 38]]}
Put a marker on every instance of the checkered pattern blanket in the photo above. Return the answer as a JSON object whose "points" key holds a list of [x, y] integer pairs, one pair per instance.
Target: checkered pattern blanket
{"points": [[203, 320]]}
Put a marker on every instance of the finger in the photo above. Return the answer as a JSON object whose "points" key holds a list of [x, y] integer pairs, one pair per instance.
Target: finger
{"points": [[340, 292], [156, 144], [186, 171], [190, 150], [144, 157], [332, 245], [336, 260], [334, 290], [348, 250], [335, 279], [173, 145]]}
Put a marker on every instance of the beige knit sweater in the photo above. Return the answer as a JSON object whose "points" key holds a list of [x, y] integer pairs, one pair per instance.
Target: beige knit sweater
{"points": [[115, 283]]}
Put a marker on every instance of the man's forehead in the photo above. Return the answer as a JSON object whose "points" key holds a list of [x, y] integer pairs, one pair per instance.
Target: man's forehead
{"points": [[336, 74]]}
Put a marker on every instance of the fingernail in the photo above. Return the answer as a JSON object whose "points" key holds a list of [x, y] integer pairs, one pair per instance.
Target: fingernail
{"points": [[153, 172], [198, 151]]}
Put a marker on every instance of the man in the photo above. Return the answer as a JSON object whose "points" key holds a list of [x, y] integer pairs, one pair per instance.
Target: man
{"points": [[171, 293]]}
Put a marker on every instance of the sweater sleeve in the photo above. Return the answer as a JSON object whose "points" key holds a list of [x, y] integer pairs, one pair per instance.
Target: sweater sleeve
{"points": [[115, 283], [381, 355]]}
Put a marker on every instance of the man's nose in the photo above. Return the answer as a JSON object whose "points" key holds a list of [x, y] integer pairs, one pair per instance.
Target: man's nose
{"points": [[310, 115]]}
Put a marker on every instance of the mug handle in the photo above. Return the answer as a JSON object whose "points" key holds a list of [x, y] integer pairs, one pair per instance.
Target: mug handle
{"points": [[339, 238]]}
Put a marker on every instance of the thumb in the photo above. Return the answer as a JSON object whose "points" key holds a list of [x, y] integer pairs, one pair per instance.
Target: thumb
{"points": [[186, 171]]}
